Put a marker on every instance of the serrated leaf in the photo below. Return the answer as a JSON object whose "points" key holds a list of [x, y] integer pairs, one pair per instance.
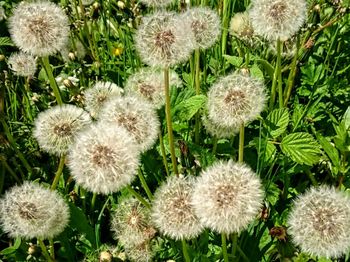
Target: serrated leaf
{"points": [[234, 60], [6, 41], [79, 221], [188, 108], [277, 122], [256, 72], [330, 150], [301, 148]]}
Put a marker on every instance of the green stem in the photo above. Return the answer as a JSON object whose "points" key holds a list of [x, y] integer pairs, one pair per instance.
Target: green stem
{"points": [[162, 149], [241, 143], [53, 84], [144, 184], [311, 177], [93, 201], [244, 256], [276, 74], [168, 120], [225, 25], [9, 169], [185, 251], [197, 83], [224, 247], [58, 172], [279, 74], [138, 196], [215, 144], [44, 251], [52, 248], [14, 146]]}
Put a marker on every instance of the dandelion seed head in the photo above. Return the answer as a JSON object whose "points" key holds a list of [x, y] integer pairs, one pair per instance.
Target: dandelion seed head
{"points": [[227, 197], [216, 130], [131, 223], [40, 27], [277, 19], [319, 222], [241, 26], [140, 253], [55, 128], [136, 115], [235, 99], [205, 25], [99, 94], [103, 159], [22, 64], [172, 211], [32, 211], [149, 84], [157, 3], [164, 39]]}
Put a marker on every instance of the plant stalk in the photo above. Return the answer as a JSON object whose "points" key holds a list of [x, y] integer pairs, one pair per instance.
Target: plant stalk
{"points": [[197, 83], [276, 74], [53, 84], [185, 251], [58, 172], [162, 149], [224, 247], [138, 196], [44, 251], [144, 184], [241, 143], [168, 120]]}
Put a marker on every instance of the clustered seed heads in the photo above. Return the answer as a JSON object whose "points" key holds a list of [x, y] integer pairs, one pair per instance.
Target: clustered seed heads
{"points": [[172, 211], [319, 222], [131, 223], [164, 39], [32, 211], [104, 158], [40, 27], [22, 64], [205, 25], [235, 99], [99, 94], [136, 115], [227, 197], [56, 128], [149, 84], [277, 19]]}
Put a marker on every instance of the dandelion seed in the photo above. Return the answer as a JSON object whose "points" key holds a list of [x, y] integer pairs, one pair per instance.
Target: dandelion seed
{"points": [[39, 27], [136, 115], [131, 223], [227, 197], [217, 130], [22, 64], [140, 253], [235, 99], [205, 25], [241, 26], [103, 159], [277, 19], [319, 222], [98, 95], [32, 211], [56, 128], [164, 39], [172, 211], [149, 84]]}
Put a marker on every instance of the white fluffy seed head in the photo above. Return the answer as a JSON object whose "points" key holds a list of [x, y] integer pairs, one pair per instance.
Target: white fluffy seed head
{"points": [[99, 94], [319, 222], [136, 115], [172, 211], [164, 39], [104, 158], [2, 13], [40, 27], [131, 223], [235, 99], [140, 253], [241, 26], [32, 211], [218, 131], [149, 84], [205, 25], [227, 197], [157, 3], [277, 19], [22, 64], [56, 128]]}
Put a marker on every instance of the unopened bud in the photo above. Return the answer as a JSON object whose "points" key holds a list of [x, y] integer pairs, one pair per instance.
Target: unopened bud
{"points": [[105, 256]]}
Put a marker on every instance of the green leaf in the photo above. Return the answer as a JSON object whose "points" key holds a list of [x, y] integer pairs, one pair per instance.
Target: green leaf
{"points": [[330, 150], [272, 193], [267, 66], [301, 148], [189, 107], [6, 41], [277, 122], [11, 249], [256, 72], [234, 60], [346, 119], [79, 221]]}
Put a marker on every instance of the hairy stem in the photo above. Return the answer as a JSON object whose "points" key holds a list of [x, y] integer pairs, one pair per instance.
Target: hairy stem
{"points": [[168, 120]]}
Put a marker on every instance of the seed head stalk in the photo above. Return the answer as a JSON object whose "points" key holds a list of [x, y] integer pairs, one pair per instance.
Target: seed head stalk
{"points": [[277, 79], [224, 247], [58, 172], [144, 184], [185, 251], [197, 83], [138, 196], [44, 251], [162, 149], [168, 120], [53, 84]]}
